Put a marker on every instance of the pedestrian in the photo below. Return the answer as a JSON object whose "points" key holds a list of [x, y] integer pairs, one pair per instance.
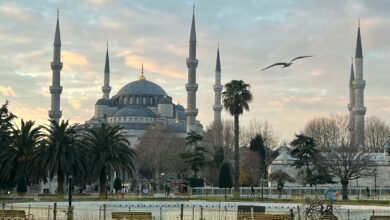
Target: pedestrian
{"points": [[252, 190], [368, 192]]}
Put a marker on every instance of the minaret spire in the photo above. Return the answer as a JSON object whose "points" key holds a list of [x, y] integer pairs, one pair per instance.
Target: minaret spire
{"points": [[359, 50], [56, 66], [192, 86], [358, 85], [106, 87], [351, 125], [217, 107]]}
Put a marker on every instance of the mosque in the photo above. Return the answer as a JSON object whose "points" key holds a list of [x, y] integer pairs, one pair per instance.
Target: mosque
{"points": [[142, 102]]}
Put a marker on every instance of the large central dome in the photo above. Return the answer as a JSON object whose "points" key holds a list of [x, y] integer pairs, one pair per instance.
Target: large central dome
{"points": [[142, 87]]}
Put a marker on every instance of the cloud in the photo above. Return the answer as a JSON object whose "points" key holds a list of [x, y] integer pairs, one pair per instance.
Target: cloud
{"points": [[7, 91], [75, 103], [73, 58], [14, 11], [151, 65]]}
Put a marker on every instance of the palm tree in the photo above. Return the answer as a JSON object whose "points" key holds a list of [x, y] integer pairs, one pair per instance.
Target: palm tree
{"points": [[52, 158], [6, 125], [236, 99], [109, 151], [17, 157]]}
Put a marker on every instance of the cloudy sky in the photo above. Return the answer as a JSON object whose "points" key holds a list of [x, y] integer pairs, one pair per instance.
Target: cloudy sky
{"points": [[252, 34]]}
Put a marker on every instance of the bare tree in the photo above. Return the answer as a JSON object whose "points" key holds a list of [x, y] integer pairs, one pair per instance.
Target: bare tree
{"points": [[377, 134], [328, 131], [256, 127], [220, 135], [158, 152], [250, 170], [346, 163]]}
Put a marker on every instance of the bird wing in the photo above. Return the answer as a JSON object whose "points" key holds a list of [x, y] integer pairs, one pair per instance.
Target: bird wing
{"points": [[275, 64], [300, 57]]}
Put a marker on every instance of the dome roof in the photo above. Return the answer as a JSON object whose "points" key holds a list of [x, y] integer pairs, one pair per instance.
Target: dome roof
{"points": [[133, 111], [179, 107], [142, 87]]}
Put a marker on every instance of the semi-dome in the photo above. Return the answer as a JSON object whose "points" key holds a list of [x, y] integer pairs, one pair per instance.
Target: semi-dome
{"points": [[142, 87], [133, 111]]}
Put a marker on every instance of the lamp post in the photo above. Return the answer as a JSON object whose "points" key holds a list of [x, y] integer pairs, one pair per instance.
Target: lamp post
{"points": [[163, 177], [70, 176], [374, 182], [262, 189]]}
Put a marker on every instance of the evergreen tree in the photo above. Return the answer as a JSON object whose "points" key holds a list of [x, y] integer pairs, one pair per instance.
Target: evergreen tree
{"points": [[117, 184], [225, 177]]}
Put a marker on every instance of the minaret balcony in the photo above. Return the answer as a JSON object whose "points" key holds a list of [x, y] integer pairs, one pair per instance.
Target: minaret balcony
{"points": [[357, 110], [218, 88], [191, 112], [217, 108], [357, 84], [55, 89], [56, 65], [191, 87], [55, 114], [106, 89], [192, 63]]}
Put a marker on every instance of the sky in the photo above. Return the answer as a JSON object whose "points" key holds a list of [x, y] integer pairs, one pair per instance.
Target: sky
{"points": [[252, 34]]}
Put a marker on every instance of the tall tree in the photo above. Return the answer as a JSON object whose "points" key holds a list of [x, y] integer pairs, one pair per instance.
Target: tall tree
{"points": [[17, 158], [345, 162], [258, 144], [6, 126], [109, 151], [255, 128], [328, 131], [158, 152], [250, 172], [236, 99], [377, 134], [52, 158], [225, 177], [304, 150], [195, 156]]}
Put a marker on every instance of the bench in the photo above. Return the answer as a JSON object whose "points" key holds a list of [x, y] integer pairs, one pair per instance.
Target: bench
{"points": [[12, 214], [329, 217], [131, 215], [262, 216], [379, 217]]}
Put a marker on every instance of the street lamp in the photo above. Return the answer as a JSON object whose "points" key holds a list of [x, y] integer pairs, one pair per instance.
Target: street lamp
{"points": [[374, 171], [163, 177], [70, 175]]}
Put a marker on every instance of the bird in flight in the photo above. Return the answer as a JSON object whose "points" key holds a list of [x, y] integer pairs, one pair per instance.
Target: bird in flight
{"points": [[284, 65]]}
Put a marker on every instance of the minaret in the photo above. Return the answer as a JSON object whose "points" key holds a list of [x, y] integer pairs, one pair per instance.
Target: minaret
{"points": [[351, 125], [217, 107], [56, 66], [358, 84], [106, 87], [192, 86]]}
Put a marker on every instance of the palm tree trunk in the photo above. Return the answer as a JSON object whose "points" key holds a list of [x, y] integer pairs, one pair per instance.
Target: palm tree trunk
{"points": [[236, 157], [60, 180], [102, 183]]}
